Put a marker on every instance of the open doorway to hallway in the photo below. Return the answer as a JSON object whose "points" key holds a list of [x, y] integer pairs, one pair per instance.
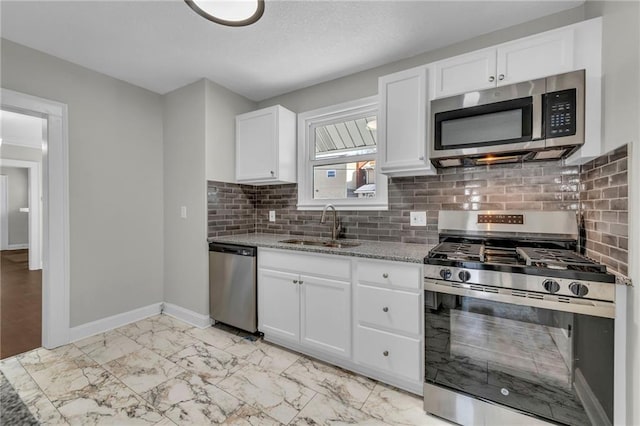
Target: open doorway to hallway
{"points": [[22, 137]]}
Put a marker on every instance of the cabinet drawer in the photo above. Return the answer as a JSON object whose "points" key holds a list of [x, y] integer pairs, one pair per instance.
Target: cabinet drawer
{"points": [[389, 352], [309, 264], [395, 274], [397, 310]]}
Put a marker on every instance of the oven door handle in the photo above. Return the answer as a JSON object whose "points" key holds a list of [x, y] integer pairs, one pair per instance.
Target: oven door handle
{"points": [[522, 298]]}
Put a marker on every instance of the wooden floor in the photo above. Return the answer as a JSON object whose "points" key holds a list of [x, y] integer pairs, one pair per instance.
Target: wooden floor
{"points": [[20, 304]]}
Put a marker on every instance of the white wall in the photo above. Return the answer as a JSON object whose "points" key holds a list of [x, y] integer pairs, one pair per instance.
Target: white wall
{"points": [[621, 107], [222, 106], [18, 197], [185, 250], [115, 180]]}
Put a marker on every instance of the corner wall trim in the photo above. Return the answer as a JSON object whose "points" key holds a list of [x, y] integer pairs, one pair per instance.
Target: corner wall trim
{"points": [[186, 315], [109, 323]]}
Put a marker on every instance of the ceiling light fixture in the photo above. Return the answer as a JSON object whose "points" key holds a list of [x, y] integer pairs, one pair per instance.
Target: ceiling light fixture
{"points": [[233, 13]]}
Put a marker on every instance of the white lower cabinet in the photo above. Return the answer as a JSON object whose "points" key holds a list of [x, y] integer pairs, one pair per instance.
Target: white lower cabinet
{"points": [[325, 312], [392, 353], [360, 314], [279, 304], [389, 320], [311, 311]]}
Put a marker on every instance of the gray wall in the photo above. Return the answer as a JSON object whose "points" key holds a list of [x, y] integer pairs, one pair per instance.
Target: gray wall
{"points": [[365, 83], [115, 180], [18, 188], [185, 244], [221, 108]]}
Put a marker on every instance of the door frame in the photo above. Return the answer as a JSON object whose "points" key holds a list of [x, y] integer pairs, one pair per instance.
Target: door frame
{"points": [[35, 239], [55, 212]]}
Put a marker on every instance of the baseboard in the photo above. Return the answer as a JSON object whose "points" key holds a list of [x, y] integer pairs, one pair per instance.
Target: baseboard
{"points": [[592, 406], [17, 246], [105, 324], [186, 315]]}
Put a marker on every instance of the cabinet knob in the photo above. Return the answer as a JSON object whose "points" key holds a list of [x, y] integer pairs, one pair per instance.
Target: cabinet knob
{"points": [[492, 78], [385, 275], [385, 309], [501, 77], [300, 282], [385, 353], [295, 281], [272, 172]]}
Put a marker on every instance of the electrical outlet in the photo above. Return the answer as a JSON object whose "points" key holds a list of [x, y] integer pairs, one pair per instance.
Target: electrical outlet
{"points": [[272, 215], [418, 218]]}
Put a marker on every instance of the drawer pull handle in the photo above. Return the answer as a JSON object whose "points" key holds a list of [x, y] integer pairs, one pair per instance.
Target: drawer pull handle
{"points": [[385, 309], [295, 281], [385, 275], [385, 353]]}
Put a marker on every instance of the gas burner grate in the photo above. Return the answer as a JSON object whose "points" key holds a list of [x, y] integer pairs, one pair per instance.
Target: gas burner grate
{"points": [[458, 251], [558, 259]]}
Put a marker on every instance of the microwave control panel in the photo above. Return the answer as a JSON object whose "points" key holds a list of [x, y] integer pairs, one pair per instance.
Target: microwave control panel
{"points": [[560, 113]]}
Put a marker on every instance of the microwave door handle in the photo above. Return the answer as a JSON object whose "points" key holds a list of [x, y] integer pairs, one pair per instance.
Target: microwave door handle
{"points": [[536, 119]]}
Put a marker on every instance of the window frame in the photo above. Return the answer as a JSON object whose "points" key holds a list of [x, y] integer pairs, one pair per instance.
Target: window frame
{"points": [[307, 122]]}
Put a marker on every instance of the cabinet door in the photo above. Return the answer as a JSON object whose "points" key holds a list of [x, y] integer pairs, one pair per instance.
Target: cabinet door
{"points": [[326, 315], [535, 57], [472, 71], [402, 124], [256, 145], [279, 304]]}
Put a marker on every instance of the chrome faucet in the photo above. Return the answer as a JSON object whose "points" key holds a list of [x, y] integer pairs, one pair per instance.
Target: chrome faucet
{"points": [[335, 230]]}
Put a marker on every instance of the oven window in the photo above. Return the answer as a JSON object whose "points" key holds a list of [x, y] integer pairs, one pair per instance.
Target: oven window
{"points": [[535, 360], [484, 125]]}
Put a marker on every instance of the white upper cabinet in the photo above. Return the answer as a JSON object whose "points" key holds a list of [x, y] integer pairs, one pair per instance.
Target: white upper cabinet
{"points": [[402, 123], [525, 59], [266, 146], [472, 71], [535, 57]]}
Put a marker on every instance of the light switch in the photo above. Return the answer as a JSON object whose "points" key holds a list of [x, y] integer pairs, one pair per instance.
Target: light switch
{"points": [[272, 215], [183, 212], [418, 218]]}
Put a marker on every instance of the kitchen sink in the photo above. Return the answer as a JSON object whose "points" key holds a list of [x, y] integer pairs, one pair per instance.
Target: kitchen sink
{"points": [[330, 243]]}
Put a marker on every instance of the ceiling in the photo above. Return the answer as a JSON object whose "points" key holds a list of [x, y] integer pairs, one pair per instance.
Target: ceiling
{"points": [[164, 45]]}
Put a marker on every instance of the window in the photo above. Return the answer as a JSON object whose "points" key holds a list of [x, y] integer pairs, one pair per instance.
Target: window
{"points": [[337, 161]]}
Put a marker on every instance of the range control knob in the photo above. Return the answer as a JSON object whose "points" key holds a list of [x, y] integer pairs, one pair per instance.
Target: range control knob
{"points": [[578, 289], [464, 276], [551, 286], [445, 273]]}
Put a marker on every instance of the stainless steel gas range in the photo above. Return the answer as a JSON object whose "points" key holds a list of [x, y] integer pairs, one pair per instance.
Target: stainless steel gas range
{"points": [[519, 327]]}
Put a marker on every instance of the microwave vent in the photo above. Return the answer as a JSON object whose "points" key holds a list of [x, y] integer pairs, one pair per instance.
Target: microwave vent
{"points": [[450, 162], [552, 154]]}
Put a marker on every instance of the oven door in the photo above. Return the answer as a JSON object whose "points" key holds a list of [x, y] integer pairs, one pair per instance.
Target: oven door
{"points": [[547, 363]]}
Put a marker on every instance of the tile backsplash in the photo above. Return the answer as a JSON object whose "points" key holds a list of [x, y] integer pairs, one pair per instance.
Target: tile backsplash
{"points": [[604, 203], [597, 188]]}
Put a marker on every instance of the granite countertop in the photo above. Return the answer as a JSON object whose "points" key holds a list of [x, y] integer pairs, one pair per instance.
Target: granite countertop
{"points": [[402, 252]]}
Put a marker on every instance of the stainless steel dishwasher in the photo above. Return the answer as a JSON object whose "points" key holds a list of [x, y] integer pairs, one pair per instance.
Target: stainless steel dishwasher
{"points": [[232, 285]]}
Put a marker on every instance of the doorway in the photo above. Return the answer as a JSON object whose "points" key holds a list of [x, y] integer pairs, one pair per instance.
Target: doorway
{"points": [[22, 139], [53, 205]]}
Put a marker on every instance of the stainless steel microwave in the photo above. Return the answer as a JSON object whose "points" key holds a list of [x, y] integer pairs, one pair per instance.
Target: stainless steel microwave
{"points": [[535, 120]]}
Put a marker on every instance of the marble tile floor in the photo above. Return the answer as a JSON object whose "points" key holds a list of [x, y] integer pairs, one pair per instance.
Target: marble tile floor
{"points": [[161, 371]]}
